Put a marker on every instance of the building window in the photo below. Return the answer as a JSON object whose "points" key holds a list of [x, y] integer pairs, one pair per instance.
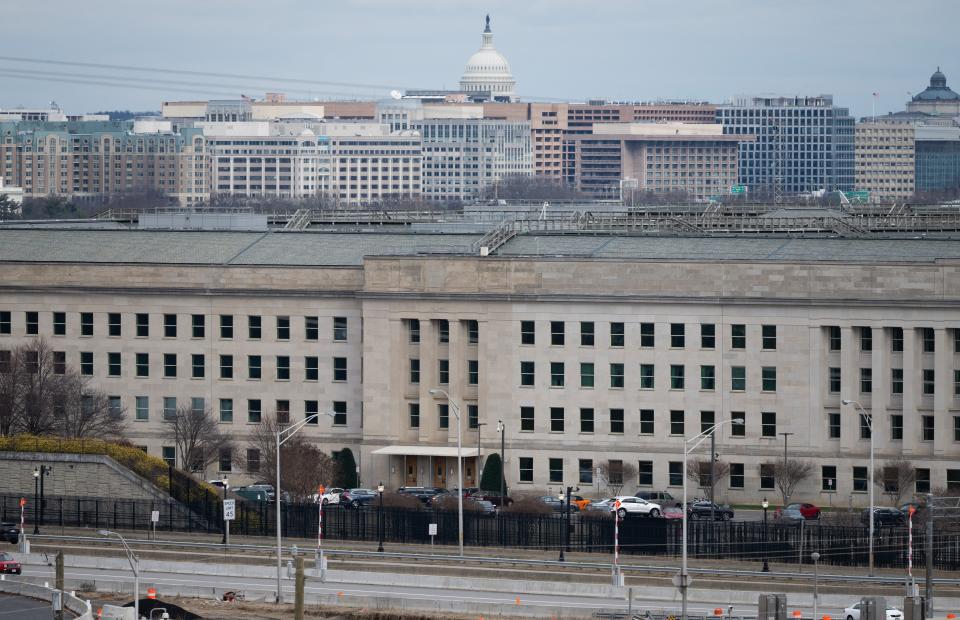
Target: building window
{"points": [[311, 368], [311, 328], [768, 424], [768, 376], [557, 335], [59, 362], [169, 407], [738, 336], [339, 329], [443, 415], [896, 380], [225, 460], [617, 335], [339, 413], [283, 328], [833, 425], [956, 382], [86, 363], [646, 377], [526, 419], [556, 374], [922, 483], [253, 460], [113, 364], [414, 371], [254, 367], [859, 479], [896, 427], [646, 335], [254, 412], [828, 478], [896, 339], [866, 339], [646, 421], [586, 420], [114, 328], [142, 408], [736, 475], [197, 405], [645, 473], [473, 372], [616, 421], [5, 327], [866, 425], [738, 429], [443, 331], [473, 416], [198, 324], [226, 410], [170, 365], [340, 369], [834, 335], [834, 376], [677, 335], [254, 327], [226, 326], [866, 380], [413, 331], [676, 376], [738, 378], [708, 336], [586, 374], [676, 422], [527, 370], [707, 378], [953, 480], [169, 326], [143, 325], [197, 366], [767, 477], [929, 341], [616, 376], [526, 469], [556, 470], [707, 420], [86, 324], [59, 323], [473, 332], [586, 333], [927, 427], [169, 455], [769, 337], [675, 473], [556, 419], [413, 410], [528, 334], [283, 368], [928, 382], [283, 411]]}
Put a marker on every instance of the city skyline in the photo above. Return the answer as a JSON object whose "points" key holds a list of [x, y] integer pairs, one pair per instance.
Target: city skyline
{"points": [[375, 46]]}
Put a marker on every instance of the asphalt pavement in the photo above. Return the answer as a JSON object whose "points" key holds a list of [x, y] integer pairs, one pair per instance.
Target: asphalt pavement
{"points": [[22, 608]]}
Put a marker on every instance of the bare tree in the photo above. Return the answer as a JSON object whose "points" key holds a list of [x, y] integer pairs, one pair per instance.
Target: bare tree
{"points": [[87, 412], [11, 387], [699, 471], [303, 466], [42, 390], [894, 478], [787, 474], [614, 473], [197, 437]]}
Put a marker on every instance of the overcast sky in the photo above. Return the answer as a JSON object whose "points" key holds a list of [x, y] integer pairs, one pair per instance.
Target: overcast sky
{"points": [[560, 49]]}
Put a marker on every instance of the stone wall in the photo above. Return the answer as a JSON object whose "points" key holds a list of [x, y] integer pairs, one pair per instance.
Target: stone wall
{"points": [[85, 475]]}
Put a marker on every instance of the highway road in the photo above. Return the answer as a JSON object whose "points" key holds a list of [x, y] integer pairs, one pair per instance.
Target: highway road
{"points": [[23, 608]]}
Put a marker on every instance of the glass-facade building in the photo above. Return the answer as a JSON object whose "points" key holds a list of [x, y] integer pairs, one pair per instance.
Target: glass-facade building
{"points": [[937, 165]]}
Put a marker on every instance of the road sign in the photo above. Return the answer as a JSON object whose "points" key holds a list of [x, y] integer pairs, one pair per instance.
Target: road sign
{"points": [[738, 189], [155, 516], [229, 509], [678, 580], [858, 196], [432, 529]]}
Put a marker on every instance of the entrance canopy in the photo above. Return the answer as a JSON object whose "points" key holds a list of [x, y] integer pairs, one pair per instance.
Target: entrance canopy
{"points": [[420, 450]]}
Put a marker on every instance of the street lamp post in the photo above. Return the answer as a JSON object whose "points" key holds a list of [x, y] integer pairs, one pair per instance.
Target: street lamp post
{"points": [[503, 473], [283, 435], [380, 518], [698, 439], [226, 485], [36, 501], [816, 578], [869, 421], [134, 566], [456, 412], [765, 504]]}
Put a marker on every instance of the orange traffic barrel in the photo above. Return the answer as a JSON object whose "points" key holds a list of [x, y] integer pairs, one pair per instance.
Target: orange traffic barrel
{"points": [[718, 611], [152, 594]]}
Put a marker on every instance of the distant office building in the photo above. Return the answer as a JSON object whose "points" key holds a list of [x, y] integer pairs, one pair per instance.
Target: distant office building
{"points": [[937, 158], [488, 71], [44, 115], [374, 167], [696, 159], [885, 158], [937, 98], [806, 143], [581, 116]]}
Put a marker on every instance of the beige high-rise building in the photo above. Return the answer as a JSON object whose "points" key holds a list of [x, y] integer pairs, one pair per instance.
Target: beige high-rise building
{"points": [[885, 159]]}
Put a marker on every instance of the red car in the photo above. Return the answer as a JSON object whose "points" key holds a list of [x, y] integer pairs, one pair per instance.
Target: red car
{"points": [[808, 511], [8, 564]]}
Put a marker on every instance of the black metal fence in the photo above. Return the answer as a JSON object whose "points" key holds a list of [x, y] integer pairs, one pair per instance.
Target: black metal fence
{"points": [[736, 540]]}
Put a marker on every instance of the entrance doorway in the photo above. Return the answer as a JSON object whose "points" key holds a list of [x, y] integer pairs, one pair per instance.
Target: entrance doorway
{"points": [[410, 466], [440, 473]]}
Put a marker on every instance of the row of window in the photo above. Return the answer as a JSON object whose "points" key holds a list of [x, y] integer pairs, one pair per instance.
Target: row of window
{"points": [[927, 426], [927, 339], [678, 335], [708, 376], [169, 405], [197, 325], [928, 381], [442, 327]]}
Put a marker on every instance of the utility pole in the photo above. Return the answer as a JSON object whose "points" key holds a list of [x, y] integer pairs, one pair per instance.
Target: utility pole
{"points": [[503, 473], [928, 556], [713, 475], [58, 615], [298, 596]]}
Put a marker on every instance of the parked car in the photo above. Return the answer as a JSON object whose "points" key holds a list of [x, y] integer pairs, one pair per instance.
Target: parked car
{"points": [[424, 494], [810, 512], [468, 491], [266, 488], [703, 510], [355, 498], [658, 497], [883, 516], [254, 495], [918, 508], [488, 508], [580, 502], [10, 533], [440, 495], [791, 515], [633, 505], [331, 496], [853, 612], [493, 498], [8, 564], [672, 512], [553, 502], [602, 505]]}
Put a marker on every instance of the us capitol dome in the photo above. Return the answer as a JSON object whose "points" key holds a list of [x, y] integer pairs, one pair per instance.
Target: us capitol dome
{"points": [[489, 72]]}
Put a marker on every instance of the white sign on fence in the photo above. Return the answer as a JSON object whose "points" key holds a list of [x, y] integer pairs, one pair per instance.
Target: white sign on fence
{"points": [[155, 516], [229, 509], [432, 529]]}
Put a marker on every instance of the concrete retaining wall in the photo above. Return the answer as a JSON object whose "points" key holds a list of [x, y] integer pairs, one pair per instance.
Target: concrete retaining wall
{"points": [[71, 603]]}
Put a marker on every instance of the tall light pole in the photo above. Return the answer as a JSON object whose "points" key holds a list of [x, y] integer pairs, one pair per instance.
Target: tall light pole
{"points": [[36, 501], [869, 420], [683, 583], [766, 566], [786, 498], [380, 517], [503, 472], [134, 566], [283, 435], [456, 412], [816, 578]]}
